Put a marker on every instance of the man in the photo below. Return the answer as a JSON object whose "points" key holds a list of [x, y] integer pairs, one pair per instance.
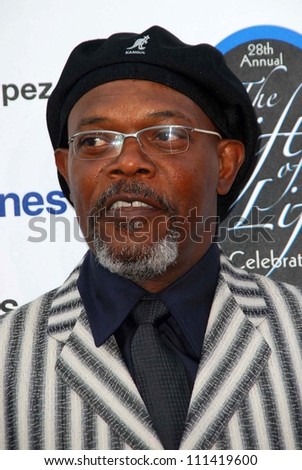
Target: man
{"points": [[155, 340]]}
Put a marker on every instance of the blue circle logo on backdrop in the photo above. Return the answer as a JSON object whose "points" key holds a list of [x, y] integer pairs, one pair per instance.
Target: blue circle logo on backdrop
{"points": [[260, 32]]}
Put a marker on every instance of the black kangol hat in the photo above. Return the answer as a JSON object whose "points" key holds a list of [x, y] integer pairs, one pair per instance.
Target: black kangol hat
{"points": [[199, 72]]}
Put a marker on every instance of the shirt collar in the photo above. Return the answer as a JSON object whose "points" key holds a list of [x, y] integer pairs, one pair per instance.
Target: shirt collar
{"points": [[108, 298]]}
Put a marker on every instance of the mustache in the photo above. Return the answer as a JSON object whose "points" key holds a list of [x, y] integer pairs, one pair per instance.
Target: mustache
{"points": [[135, 188]]}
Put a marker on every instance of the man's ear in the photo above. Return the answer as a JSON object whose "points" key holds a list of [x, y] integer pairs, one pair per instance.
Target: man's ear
{"points": [[61, 157], [231, 156]]}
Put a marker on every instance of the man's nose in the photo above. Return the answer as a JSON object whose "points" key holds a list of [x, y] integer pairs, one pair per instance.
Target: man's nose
{"points": [[131, 161]]}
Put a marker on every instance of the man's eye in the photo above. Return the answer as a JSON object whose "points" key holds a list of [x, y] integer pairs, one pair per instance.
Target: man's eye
{"points": [[167, 136], [171, 136], [93, 141]]}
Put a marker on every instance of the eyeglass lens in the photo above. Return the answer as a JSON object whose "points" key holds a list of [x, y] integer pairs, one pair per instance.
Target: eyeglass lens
{"points": [[158, 140]]}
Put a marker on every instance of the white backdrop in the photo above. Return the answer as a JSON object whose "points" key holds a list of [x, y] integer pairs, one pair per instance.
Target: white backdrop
{"points": [[36, 38]]}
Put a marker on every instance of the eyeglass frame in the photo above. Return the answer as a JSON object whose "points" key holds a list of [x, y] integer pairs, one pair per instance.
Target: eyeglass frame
{"points": [[135, 135]]}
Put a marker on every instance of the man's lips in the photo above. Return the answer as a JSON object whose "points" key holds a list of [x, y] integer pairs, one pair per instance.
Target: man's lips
{"points": [[126, 209], [131, 205], [130, 200], [129, 208], [120, 203]]}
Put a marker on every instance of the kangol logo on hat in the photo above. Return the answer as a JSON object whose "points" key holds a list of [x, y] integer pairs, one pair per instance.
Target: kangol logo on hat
{"points": [[139, 44]]}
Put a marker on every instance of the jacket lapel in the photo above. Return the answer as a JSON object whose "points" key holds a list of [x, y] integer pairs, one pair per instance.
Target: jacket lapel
{"points": [[234, 354], [98, 375]]}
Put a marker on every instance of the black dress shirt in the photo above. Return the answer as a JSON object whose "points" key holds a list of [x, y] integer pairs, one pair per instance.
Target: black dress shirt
{"points": [[109, 298]]}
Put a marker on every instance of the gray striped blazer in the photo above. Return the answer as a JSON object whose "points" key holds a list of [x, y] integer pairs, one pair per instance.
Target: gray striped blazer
{"points": [[58, 391]]}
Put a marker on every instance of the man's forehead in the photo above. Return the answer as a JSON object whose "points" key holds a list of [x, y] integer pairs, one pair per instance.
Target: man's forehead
{"points": [[130, 88], [139, 99]]}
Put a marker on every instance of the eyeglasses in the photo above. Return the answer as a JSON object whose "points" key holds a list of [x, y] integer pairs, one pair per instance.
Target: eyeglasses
{"points": [[153, 141]]}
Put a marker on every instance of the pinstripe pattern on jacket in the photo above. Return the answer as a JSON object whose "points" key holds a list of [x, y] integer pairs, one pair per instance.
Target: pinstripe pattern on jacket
{"points": [[58, 391]]}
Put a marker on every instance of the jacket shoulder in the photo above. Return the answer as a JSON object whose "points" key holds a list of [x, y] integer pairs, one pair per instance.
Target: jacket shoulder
{"points": [[235, 273], [281, 295], [252, 290], [41, 304]]}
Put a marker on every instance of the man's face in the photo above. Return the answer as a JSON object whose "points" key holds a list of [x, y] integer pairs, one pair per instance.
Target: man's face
{"points": [[134, 201]]}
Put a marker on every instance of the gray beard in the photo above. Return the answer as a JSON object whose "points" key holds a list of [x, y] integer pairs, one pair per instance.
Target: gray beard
{"points": [[138, 262]]}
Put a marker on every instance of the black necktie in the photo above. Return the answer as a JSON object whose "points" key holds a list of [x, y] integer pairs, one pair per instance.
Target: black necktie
{"points": [[159, 374]]}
